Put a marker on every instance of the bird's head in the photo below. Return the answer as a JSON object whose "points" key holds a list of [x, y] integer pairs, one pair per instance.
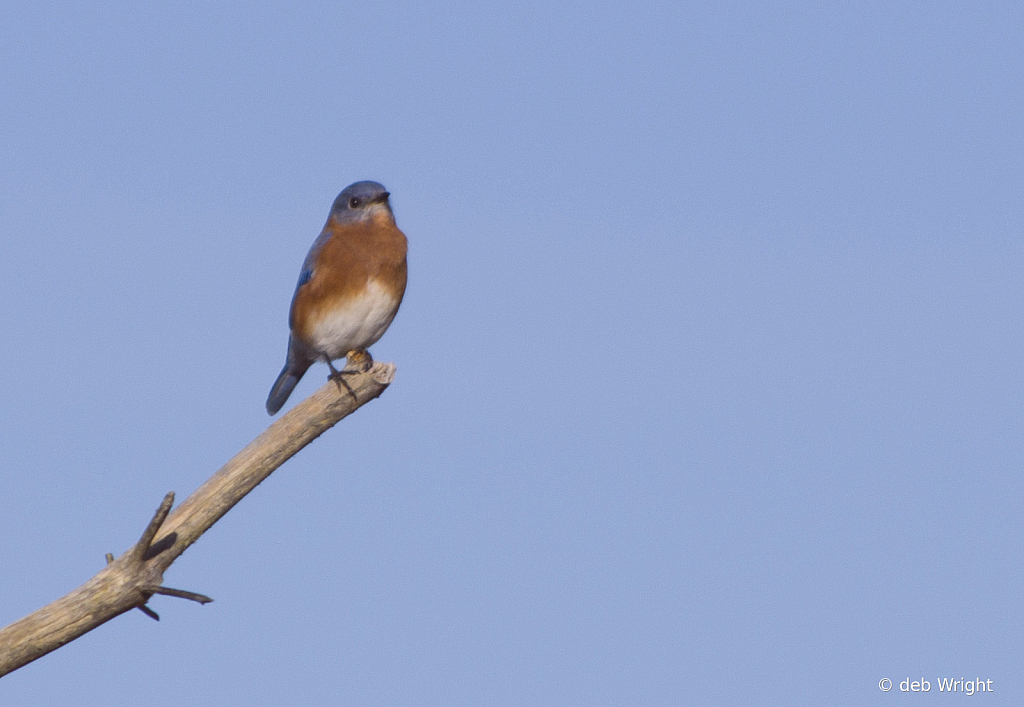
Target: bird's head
{"points": [[360, 201]]}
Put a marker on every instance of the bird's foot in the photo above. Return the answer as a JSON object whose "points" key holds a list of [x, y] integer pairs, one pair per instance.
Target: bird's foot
{"points": [[338, 377], [358, 361]]}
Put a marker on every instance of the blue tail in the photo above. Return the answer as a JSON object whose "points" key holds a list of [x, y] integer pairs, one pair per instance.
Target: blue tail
{"points": [[283, 387]]}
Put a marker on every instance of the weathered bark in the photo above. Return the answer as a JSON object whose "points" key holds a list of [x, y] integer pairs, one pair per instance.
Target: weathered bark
{"points": [[129, 581]]}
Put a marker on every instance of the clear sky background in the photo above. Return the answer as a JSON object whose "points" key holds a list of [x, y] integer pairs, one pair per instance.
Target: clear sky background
{"points": [[710, 370]]}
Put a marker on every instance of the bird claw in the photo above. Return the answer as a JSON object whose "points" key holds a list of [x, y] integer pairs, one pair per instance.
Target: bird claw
{"points": [[357, 361]]}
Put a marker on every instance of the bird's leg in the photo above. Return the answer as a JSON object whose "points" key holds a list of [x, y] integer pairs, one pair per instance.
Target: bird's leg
{"points": [[336, 376]]}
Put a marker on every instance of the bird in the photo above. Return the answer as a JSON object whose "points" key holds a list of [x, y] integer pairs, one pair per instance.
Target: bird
{"points": [[350, 287]]}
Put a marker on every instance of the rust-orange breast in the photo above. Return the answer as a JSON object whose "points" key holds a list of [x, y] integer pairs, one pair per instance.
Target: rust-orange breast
{"points": [[358, 281]]}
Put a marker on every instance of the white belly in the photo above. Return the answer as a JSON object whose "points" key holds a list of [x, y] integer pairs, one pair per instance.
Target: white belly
{"points": [[357, 325]]}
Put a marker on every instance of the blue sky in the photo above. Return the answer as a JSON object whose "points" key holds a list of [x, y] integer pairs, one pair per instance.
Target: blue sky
{"points": [[709, 369]]}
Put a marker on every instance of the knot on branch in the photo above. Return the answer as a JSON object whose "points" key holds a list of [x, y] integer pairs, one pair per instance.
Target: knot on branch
{"points": [[144, 550]]}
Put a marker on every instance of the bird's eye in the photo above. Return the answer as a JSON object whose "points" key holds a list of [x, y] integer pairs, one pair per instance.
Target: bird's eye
{"points": [[354, 203]]}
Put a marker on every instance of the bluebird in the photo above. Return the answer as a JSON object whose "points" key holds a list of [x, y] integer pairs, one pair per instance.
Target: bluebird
{"points": [[349, 290]]}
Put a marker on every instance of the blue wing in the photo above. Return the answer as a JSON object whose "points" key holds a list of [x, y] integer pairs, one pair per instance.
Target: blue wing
{"points": [[307, 272]]}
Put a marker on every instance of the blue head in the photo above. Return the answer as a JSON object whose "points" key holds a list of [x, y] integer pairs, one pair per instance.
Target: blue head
{"points": [[360, 200]]}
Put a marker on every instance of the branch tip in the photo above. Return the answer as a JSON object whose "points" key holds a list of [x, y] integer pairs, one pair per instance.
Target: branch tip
{"points": [[154, 525], [383, 373], [181, 593]]}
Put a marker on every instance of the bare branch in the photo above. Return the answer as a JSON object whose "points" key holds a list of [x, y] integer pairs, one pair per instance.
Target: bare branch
{"points": [[142, 547], [130, 580], [194, 596], [149, 612]]}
